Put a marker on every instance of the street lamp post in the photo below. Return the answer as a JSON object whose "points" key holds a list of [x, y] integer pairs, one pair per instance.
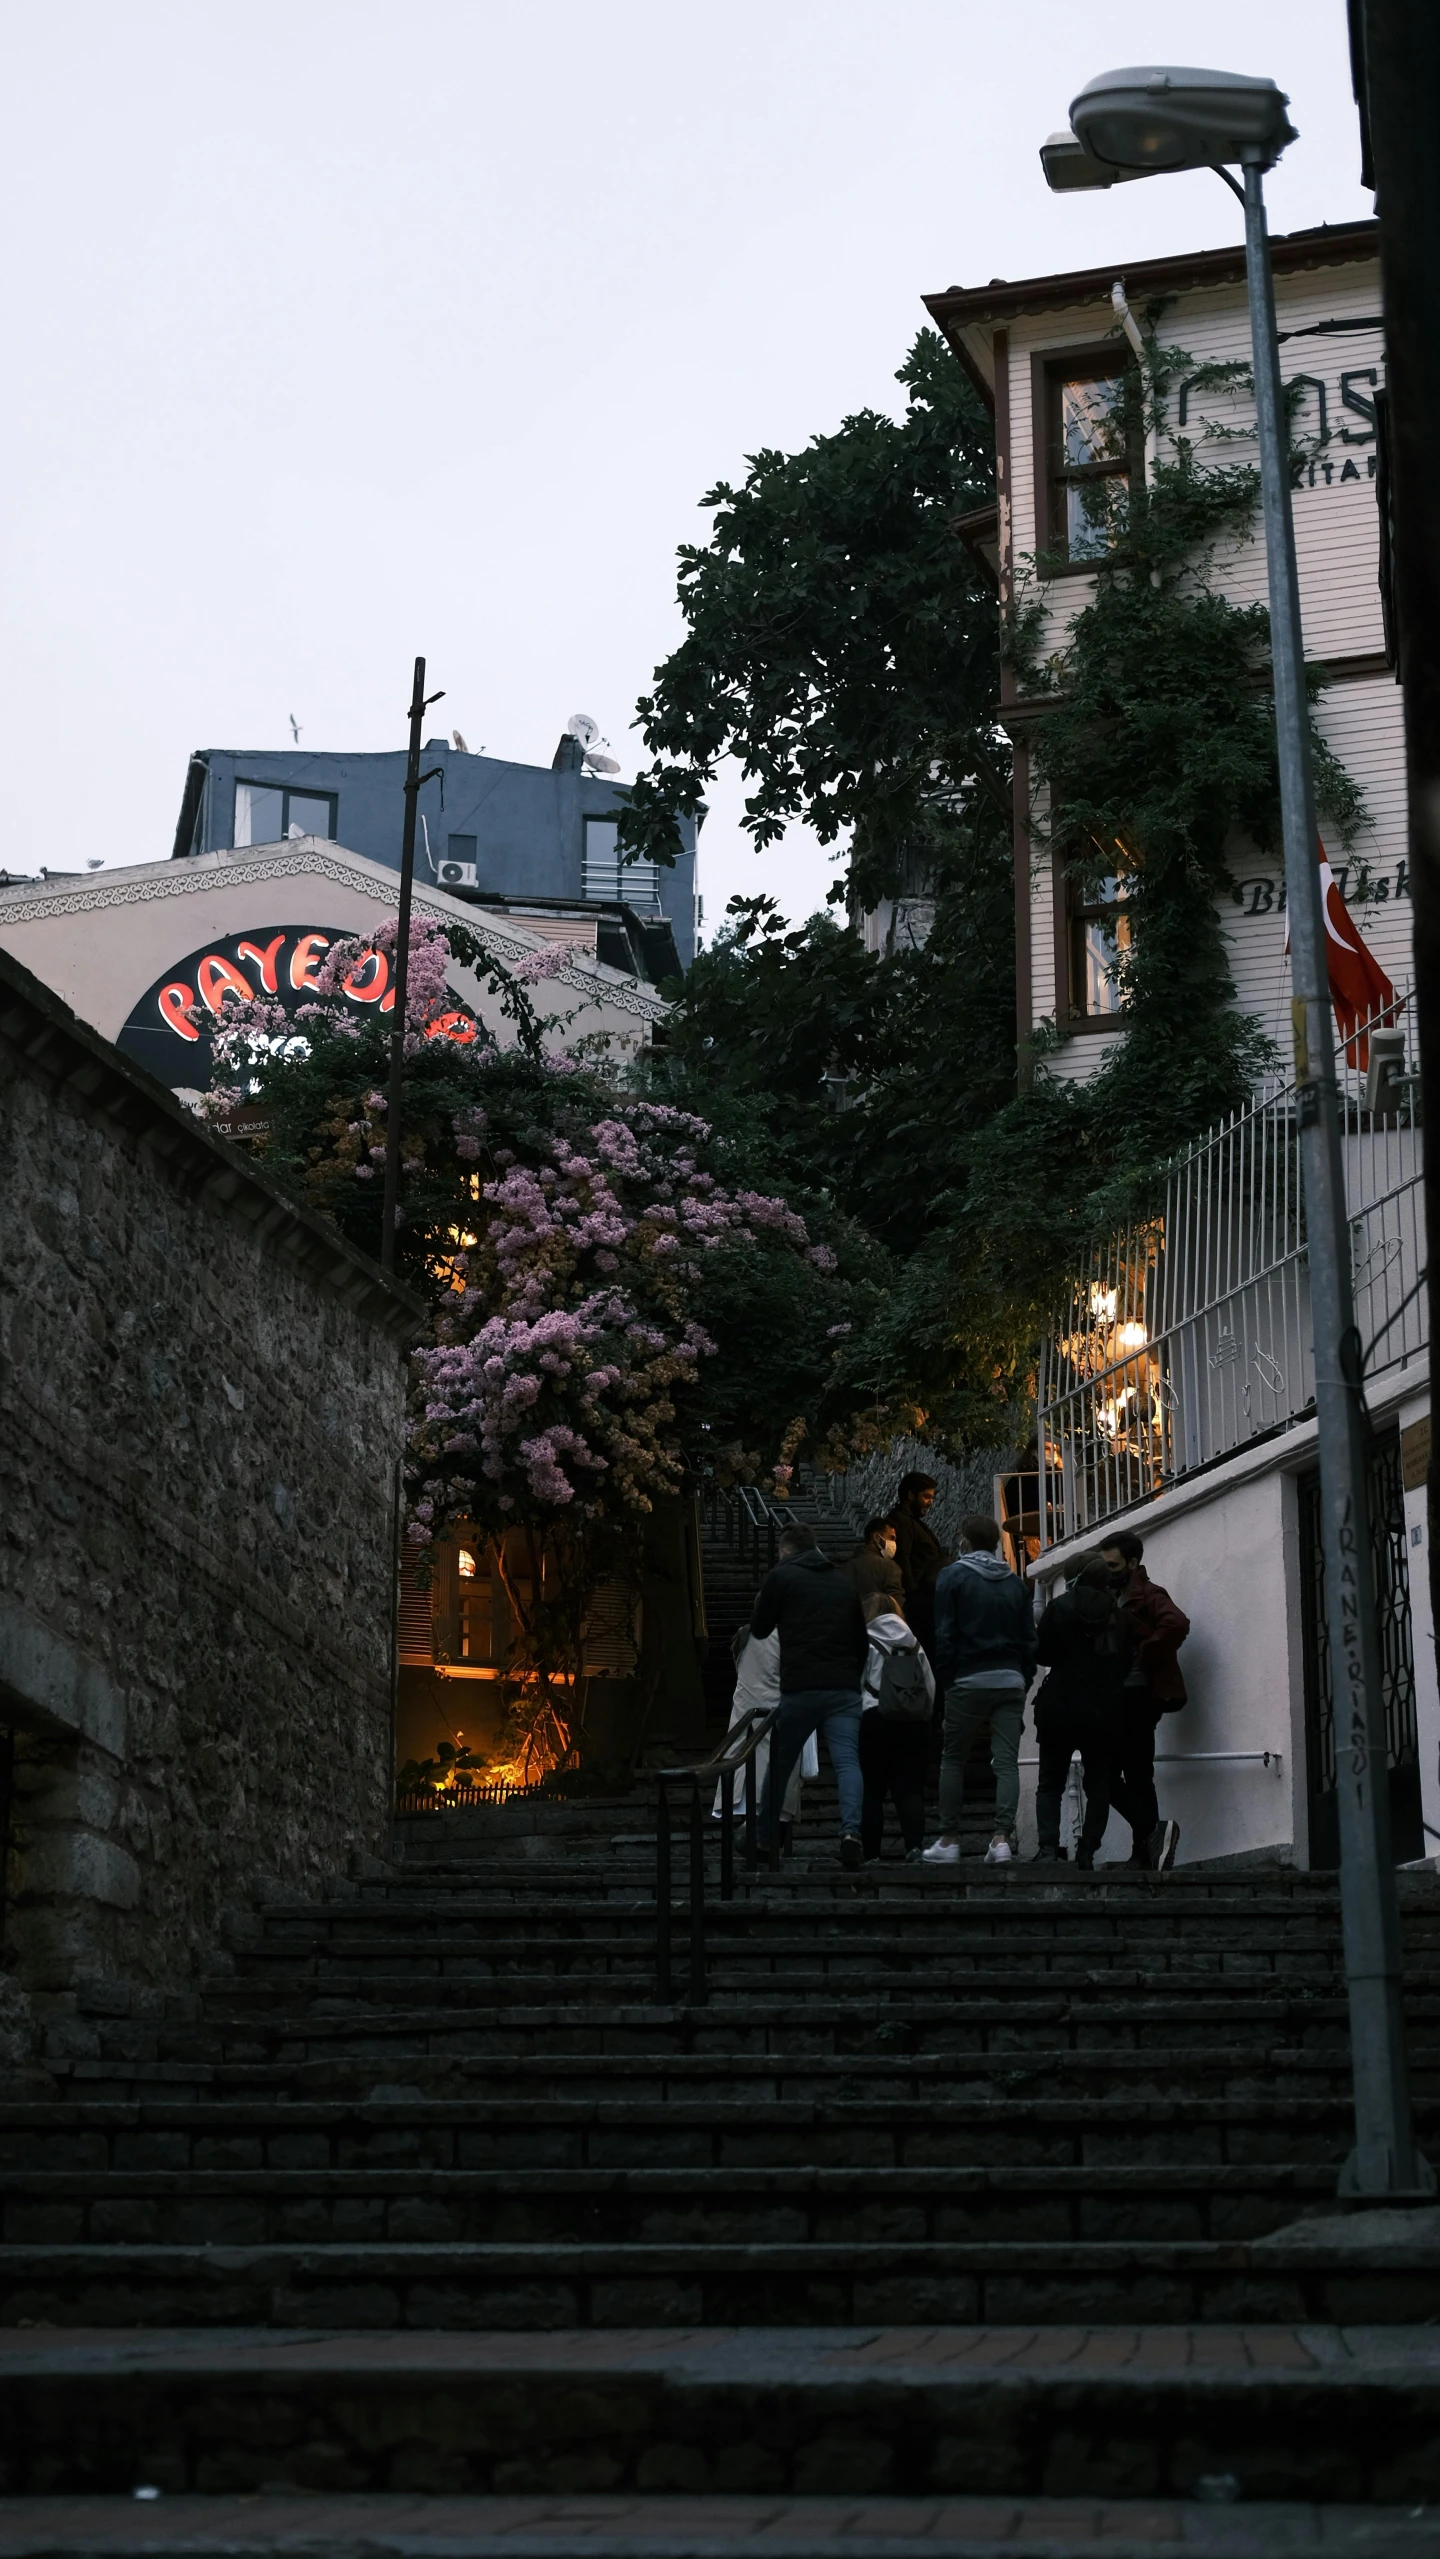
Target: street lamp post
{"points": [[1127, 124]]}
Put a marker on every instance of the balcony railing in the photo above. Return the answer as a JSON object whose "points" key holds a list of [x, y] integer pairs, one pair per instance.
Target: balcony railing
{"points": [[1189, 1334]]}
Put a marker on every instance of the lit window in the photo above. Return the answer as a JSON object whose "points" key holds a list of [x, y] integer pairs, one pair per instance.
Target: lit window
{"points": [[1099, 940], [467, 1565], [271, 813], [1086, 442], [605, 879]]}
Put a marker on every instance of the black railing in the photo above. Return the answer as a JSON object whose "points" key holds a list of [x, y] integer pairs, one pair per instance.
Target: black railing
{"points": [[738, 1516], [737, 1751]]}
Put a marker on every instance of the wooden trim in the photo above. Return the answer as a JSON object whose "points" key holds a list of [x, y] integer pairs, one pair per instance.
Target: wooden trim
{"points": [[1024, 966], [1333, 244], [1004, 489], [1065, 1014]]}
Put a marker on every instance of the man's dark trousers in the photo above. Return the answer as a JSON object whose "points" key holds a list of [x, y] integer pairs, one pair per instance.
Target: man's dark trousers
{"points": [[1132, 1791]]}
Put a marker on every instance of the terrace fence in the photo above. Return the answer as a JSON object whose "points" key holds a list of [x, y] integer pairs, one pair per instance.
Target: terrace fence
{"points": [[1188, 1336]]}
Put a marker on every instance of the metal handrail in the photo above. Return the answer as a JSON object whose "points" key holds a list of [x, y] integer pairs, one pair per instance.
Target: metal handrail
{"points": [[737, 1750]]}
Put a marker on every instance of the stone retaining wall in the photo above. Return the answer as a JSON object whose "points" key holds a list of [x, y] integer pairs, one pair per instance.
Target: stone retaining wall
{"points": [[201, 1394]]}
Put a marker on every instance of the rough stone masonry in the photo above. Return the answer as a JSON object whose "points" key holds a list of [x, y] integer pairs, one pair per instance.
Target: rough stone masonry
{"points": [[201, 1394]]}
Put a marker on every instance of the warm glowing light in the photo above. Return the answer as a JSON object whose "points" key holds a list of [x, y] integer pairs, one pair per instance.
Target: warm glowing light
{"points": [[1102, 1302], [1132, 1337], [467, 1565]]}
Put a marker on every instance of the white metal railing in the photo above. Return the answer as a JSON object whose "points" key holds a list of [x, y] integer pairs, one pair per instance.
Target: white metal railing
{"points": [[1189, 1334]]}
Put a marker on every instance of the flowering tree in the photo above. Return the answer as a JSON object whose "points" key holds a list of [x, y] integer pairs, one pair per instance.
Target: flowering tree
{"points": [[614, 1303]]}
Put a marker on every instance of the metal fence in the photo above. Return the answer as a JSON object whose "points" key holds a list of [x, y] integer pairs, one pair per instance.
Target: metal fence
{"points": [[866, 1490], [1189, 1334]]}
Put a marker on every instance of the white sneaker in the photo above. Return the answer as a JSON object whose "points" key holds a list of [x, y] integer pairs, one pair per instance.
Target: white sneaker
{"points": [[943, 1852], [999, 1853]]}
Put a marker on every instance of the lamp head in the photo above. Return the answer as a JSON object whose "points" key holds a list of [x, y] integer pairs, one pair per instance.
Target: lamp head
{"points": [[1151, 118], [1068, 165]]}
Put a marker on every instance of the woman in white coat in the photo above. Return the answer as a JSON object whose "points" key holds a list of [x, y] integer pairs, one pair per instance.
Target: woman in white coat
{"points": [[757, 1683]]}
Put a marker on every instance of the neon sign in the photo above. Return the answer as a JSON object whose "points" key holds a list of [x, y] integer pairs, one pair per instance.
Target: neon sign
{"points": [[169, 1030]]}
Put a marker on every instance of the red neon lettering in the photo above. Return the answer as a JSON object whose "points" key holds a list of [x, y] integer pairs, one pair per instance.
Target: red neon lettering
{"points": [[368, 991], [451, 1026], [220, 977], [264, 960], [175, 1003], [305, 960]]}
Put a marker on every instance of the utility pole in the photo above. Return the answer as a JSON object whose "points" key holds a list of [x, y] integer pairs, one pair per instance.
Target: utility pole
{"points": [[419, 705]]}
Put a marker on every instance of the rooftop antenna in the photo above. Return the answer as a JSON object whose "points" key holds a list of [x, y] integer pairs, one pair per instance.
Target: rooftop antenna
{"points": [[581, 726]]}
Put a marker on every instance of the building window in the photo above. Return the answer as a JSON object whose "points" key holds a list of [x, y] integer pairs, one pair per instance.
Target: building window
{"points": [[1099, 941], [1087, 425], [271, 813], [605, 879]]}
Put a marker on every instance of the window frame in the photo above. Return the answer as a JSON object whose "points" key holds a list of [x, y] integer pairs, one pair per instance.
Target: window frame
{"points": [[287, 790], [1073, 910], [1099, 359]]}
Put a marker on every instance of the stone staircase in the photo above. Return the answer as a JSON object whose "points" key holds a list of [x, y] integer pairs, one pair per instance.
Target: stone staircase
{"points": [[964, 2185]]}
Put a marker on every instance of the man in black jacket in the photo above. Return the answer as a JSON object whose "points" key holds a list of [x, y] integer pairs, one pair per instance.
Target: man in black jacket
{"points": [[985, 1657], [823, 1651], [1089, 1645]]}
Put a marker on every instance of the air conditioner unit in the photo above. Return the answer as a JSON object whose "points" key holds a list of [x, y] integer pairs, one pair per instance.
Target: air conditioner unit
{"points": [[456, 875]]}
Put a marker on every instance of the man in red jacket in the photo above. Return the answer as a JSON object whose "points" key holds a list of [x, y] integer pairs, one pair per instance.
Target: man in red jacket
{"points": [[1154, 1688]]}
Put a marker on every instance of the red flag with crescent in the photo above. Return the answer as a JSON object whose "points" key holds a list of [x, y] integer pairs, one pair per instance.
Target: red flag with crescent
{"points": [[1360, 991]]}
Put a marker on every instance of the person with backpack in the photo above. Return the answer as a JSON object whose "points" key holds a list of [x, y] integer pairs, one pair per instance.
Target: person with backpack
{"points": [[985, 1656], [897, 1703], [823, 1653], [1089, 1646], [1153, 1687]]}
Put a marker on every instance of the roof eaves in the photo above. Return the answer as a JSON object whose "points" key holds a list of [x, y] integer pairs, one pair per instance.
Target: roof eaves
{"points": [[988, 306]]}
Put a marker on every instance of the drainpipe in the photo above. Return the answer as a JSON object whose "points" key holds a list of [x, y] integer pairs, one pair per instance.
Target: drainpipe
{"points": [[1129, 324]]}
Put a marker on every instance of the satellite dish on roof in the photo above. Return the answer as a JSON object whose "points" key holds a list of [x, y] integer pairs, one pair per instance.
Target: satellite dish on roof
{"points": [[581, 726]]}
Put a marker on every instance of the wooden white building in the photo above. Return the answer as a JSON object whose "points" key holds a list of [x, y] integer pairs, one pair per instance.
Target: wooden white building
{"points": [[1176, 1393]]}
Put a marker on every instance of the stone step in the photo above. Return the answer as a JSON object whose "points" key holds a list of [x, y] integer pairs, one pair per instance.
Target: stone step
{"points": [[712, 2078], [1319, 2412], [1287, 2276], [400, 2126], [258, 2206], [395, 2123], [290, 2518]]}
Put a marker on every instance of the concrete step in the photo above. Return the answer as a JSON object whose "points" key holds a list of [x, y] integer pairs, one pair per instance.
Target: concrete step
{"points": [[1288, 2275], [920, 2126], [259, 2206], [290, 2519], [699, 2063], [1280, 2411]]}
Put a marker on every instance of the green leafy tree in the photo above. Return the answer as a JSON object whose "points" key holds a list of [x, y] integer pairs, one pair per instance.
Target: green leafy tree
{"points": [[841, 642]]}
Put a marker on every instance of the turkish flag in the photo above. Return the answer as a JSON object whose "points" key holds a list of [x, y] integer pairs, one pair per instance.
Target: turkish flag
{"points": [[1359, 988]]}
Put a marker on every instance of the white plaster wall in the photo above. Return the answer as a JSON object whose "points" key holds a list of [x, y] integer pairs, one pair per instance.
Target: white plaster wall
{"points": [[1228, 1564]]}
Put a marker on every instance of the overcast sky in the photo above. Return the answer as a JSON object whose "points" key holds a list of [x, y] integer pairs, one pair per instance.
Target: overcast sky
{"points": [[337, 331]]}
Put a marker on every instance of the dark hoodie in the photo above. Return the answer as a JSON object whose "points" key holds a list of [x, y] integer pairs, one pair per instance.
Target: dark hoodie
{"points": [[823, 1640], [1089, 1646]]}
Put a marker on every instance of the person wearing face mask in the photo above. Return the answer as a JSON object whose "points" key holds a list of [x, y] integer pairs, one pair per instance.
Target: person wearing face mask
{"points": [[1153, 1687], [875, 1573]]}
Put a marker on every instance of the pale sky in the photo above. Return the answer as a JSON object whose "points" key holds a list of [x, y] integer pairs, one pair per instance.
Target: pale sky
{"points": [[338, 332]]}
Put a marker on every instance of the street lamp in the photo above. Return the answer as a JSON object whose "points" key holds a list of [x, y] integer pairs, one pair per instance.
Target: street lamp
{"points": [[1128, 124]]}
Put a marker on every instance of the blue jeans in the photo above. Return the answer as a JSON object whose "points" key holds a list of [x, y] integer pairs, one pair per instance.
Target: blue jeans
{"points": [[836, 1713]]}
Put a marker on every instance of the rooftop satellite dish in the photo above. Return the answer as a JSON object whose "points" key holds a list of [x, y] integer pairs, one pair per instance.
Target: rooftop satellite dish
{"points": [[460, 744], [581, 726]]}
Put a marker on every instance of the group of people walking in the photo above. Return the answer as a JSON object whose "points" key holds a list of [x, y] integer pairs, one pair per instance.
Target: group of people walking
{"points": [[873, 1650]]}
